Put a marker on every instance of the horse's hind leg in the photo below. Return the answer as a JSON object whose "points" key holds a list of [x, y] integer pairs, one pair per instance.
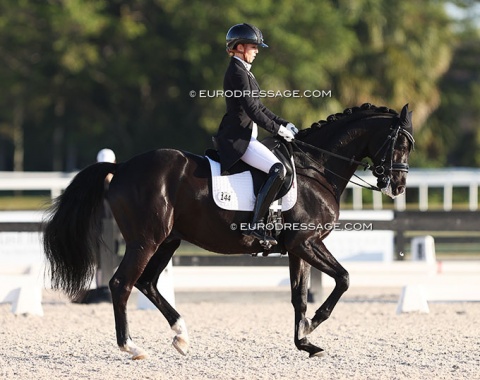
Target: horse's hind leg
{"points": [[137, 255], [147, 284]]}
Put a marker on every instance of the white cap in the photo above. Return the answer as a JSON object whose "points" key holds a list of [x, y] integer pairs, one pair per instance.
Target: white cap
{"points": [[106, 155]]}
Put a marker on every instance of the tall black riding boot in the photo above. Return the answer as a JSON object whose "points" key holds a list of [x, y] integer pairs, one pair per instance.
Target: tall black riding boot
{"points": [[266, 196]]}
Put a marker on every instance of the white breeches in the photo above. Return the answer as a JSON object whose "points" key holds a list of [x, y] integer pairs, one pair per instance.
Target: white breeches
{"points": [[259, 156]]}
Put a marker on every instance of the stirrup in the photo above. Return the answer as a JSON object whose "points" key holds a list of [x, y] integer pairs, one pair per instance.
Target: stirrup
{"points": [[265, 241]]}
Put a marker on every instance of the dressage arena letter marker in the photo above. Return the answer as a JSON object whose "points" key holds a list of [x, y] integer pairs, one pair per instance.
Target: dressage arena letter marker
{"points": [[413, 299]]}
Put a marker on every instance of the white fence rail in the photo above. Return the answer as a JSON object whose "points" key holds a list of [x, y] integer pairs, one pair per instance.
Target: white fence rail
{"points": [[421, 179], [54, 182]]}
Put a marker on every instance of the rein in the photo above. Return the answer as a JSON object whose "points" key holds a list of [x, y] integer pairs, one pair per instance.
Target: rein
{"points": [[380, 171], [352, 161]]}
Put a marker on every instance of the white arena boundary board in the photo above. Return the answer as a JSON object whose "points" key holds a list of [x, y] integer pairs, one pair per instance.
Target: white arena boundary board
{"points": [[457, 281], [21, 271]]}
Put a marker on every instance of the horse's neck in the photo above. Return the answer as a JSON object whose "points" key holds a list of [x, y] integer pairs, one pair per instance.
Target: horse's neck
{"points": [[349, 142]]}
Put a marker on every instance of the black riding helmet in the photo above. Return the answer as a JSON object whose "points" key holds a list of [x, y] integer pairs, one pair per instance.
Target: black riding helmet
{"points": [[244, 34]]}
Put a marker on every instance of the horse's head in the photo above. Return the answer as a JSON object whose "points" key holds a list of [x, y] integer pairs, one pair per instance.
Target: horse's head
{"points": [[390, 155]]}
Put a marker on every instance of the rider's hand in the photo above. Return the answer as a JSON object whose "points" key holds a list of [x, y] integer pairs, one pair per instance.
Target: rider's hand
{"points": [[286, 133], [292, 128]]}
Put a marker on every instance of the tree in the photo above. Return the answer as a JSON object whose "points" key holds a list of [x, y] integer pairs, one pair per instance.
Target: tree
{"points": [[402, 51], [22, 50], [451, 137], [81, 75]]}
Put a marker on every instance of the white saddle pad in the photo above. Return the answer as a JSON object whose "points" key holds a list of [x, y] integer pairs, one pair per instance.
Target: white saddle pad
{"points": [[235, 192]]}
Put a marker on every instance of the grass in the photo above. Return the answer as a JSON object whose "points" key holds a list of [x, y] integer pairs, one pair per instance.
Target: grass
{"points": [[24, 202], [35, 202]]}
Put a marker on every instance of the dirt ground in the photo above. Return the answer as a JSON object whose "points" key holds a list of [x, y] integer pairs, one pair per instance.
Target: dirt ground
{"points": [[245, 335]]}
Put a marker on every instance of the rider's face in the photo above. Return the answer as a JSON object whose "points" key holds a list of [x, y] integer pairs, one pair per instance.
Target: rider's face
{"points": [[249, 51]]}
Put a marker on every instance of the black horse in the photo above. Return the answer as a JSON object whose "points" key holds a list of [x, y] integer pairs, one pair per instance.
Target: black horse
{"points": [[162, 197]]}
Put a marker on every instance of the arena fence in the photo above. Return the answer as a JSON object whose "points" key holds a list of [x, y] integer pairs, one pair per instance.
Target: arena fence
{"points": [[458, 187]]}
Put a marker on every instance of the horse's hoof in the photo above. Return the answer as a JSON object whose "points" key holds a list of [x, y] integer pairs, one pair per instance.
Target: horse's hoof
{"points": [[180, 344], [132, 348], [318, 354], [140, 356]]}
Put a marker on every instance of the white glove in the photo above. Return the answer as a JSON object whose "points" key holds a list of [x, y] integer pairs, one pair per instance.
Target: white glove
{"points": [[286, 133], [292, 128]]}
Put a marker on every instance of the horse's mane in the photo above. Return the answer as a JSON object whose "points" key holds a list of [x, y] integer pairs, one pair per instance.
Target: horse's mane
{"points": [[364, 110]]}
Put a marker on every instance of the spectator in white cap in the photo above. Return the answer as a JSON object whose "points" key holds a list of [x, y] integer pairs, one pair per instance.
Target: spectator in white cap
{"points": [[106, 155]]}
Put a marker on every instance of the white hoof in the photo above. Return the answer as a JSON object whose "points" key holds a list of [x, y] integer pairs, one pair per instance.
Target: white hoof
{"points": [[181, 340], [180, 344], [136, 352], [142, 355], [304, 328]]}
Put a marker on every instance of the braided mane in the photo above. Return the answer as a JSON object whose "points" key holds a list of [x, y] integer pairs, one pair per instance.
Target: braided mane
{"points": [[353, 112]]}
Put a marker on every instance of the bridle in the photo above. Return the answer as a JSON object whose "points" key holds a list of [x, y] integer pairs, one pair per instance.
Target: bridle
{"points": [[386, 165], [383, 170]]}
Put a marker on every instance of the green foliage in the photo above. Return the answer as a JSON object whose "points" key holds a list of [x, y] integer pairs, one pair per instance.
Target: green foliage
{"points": [[80, 75], [451, 136]]}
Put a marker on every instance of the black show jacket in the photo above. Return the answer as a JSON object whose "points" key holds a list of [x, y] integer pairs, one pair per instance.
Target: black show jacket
{"points": [[235, 129]]}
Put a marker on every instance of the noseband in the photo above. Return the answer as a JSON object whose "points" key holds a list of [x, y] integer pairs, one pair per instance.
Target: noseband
{"points": [[386, 166]]}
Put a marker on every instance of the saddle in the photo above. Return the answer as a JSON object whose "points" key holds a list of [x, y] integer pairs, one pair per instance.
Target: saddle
{"points": [[237, 190], [278, 147]]}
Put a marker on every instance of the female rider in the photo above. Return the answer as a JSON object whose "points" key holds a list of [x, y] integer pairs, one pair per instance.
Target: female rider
{"points": [[236, 138]]}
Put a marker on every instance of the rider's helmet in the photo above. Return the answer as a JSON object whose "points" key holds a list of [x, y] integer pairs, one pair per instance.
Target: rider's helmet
{"points": [[244, 34]]}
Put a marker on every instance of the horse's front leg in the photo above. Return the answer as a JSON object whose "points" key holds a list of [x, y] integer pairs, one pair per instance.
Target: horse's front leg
{"points": [[314, 252], [299, 276]]}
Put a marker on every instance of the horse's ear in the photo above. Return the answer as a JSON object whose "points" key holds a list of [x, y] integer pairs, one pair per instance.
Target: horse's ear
{"points": [[406, 117], [404, 112]]}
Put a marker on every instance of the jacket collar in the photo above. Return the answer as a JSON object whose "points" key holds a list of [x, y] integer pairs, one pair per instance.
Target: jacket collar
{"points": [[247, 65]]}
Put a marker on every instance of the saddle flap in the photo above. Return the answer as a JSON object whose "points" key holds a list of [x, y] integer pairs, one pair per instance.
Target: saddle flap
{"points": [[284, 153]]}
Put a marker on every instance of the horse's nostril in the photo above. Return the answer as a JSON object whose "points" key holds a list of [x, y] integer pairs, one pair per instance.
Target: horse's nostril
{"points": [[400, 190]]}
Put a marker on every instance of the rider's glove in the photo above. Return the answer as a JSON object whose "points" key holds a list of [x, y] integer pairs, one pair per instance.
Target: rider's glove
{"points": [[286, 133], [292, 128]]}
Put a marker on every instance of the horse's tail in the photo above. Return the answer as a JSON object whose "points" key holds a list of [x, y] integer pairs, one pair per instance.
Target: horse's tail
{"points": [[71, 230]]}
